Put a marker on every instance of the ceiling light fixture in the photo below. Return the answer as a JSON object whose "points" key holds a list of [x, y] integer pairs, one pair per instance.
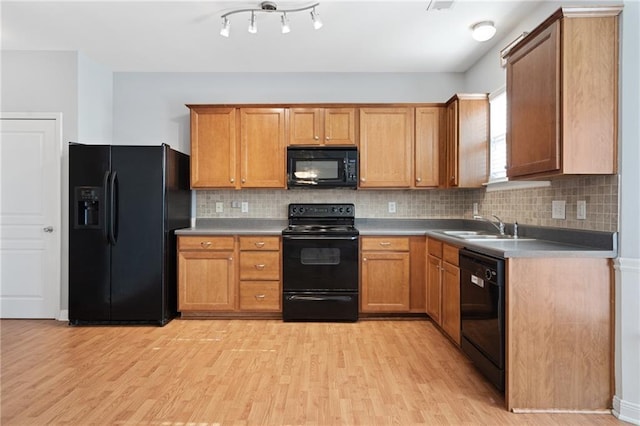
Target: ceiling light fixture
{"points": [[270, 7], [483, 31]]}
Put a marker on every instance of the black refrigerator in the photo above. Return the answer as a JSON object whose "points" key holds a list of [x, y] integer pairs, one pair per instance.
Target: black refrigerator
{"points": [[125, 203]]}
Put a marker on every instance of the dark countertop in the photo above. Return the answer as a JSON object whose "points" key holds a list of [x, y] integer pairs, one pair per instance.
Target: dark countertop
{"points": [[537, 241]]}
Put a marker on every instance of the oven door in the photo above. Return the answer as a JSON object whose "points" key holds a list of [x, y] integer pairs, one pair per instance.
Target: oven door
{"points": [[320, 263]]}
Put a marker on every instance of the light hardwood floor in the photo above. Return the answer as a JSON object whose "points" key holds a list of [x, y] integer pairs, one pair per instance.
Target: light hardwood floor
{"points": [[248, 372]]}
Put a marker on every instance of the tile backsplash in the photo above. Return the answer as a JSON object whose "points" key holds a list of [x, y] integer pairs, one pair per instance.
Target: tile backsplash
{"points": [[527, 206]]}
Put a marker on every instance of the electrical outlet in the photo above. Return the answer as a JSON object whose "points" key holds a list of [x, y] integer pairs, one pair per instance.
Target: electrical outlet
{"points": [[392, 206], [475, 209], [219, 207], [558, 209], [245, 207], [581, 210]]}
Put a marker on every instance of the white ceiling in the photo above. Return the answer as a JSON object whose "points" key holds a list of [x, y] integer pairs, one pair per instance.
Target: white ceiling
{"points": [[183, 36]]}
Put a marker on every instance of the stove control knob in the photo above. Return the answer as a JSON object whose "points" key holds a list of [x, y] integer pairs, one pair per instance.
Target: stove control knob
{"points": [[341, 209], [348, 209], [334, 209], [301, 210]]}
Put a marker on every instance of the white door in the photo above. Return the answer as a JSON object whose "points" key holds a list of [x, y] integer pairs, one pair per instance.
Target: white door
{"points": [[30, 210]]}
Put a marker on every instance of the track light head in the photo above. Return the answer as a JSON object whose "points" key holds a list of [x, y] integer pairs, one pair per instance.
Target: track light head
{"points": [[253, 28], [317, 23], [285, 24], [226, 27]]}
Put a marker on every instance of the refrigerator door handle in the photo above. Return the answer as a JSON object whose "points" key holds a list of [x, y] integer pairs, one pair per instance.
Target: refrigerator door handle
{"points": [[106, 210], [113, 208]]}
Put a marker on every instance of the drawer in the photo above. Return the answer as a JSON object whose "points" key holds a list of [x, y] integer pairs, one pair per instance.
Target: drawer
{"points": [[450, 254], [260, 295], [256, 265], [260, 243], [385, 243], [204, 242], [434, 248]]}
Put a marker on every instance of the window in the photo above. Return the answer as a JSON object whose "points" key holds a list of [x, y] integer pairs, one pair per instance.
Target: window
{"points": [[498, 135]]}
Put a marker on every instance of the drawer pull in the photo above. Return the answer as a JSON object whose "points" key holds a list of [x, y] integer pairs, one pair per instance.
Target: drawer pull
{"points": [[259, 296], [259, 244], [260, 266], [205, 244], [385, 243]]}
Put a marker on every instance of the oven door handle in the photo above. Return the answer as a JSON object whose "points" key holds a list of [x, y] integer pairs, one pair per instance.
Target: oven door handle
{"points": [[308, 298], [320, 237]]}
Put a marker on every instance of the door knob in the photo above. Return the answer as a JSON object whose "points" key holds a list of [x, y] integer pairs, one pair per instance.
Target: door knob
{"points": [[48, 229]]}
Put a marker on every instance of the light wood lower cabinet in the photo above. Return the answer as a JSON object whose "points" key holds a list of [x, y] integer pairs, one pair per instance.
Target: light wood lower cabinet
{"points": [[559, 334], [385, 274], [206, 274], [260, 267], [229, 274], [443, 287]]}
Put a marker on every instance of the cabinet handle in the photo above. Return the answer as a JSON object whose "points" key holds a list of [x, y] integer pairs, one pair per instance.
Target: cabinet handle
{"points": [[231, 259], [418, 179], [243, 180], [232, 180], [259, 296], [327, 138], [205, 244], [259, 244], [364, 259], [260, 266], [362, 179], [316, 137], [385, 243]]}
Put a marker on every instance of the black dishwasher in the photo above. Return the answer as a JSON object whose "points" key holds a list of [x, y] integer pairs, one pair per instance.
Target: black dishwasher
{"points": [[482, 307]]}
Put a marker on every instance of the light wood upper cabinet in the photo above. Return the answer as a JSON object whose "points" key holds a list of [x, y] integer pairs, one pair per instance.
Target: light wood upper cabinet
{"points": [[213, 147], [562, 96], [322, 126], [465, 150], [429, 129], [238, 147], [386, 147], [263, 147]]}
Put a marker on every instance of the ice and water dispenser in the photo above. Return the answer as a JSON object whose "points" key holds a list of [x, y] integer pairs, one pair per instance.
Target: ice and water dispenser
{"points": [[87, 207]]}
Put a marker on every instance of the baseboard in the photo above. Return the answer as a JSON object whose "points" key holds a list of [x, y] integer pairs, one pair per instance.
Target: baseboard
{"points": [[63, 315], [626, 411]]}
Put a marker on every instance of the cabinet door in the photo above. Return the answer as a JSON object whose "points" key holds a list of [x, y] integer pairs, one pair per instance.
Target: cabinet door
{"points": [[340, 126], [533, 96], [206, 281], [450, 163], [434, 288], [213, 147], [386, 147], [262, 146], [385, 282], [427, 146], [451, 301], [305, 126]]}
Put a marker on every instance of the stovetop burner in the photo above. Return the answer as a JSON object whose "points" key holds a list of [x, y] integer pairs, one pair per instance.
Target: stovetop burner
{"points": [[321, 219]]}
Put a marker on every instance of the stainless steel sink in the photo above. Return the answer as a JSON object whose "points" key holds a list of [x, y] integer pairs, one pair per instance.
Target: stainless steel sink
{"points": [[482, 236]]}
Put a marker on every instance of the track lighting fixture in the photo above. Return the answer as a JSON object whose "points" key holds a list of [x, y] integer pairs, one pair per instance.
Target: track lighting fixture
{"points": [[270, 7]]}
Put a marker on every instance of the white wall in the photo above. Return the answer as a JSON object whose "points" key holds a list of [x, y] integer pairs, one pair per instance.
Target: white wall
{"points": [[42, 82], [149, 108], [95, 102], [487, 75]]}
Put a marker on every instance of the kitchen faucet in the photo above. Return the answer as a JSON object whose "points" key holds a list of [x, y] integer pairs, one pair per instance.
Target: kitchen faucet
{"points": [[499, 226]]}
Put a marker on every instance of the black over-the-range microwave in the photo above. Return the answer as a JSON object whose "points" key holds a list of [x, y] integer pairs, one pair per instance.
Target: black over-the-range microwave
{"points": [[322, 167]]}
